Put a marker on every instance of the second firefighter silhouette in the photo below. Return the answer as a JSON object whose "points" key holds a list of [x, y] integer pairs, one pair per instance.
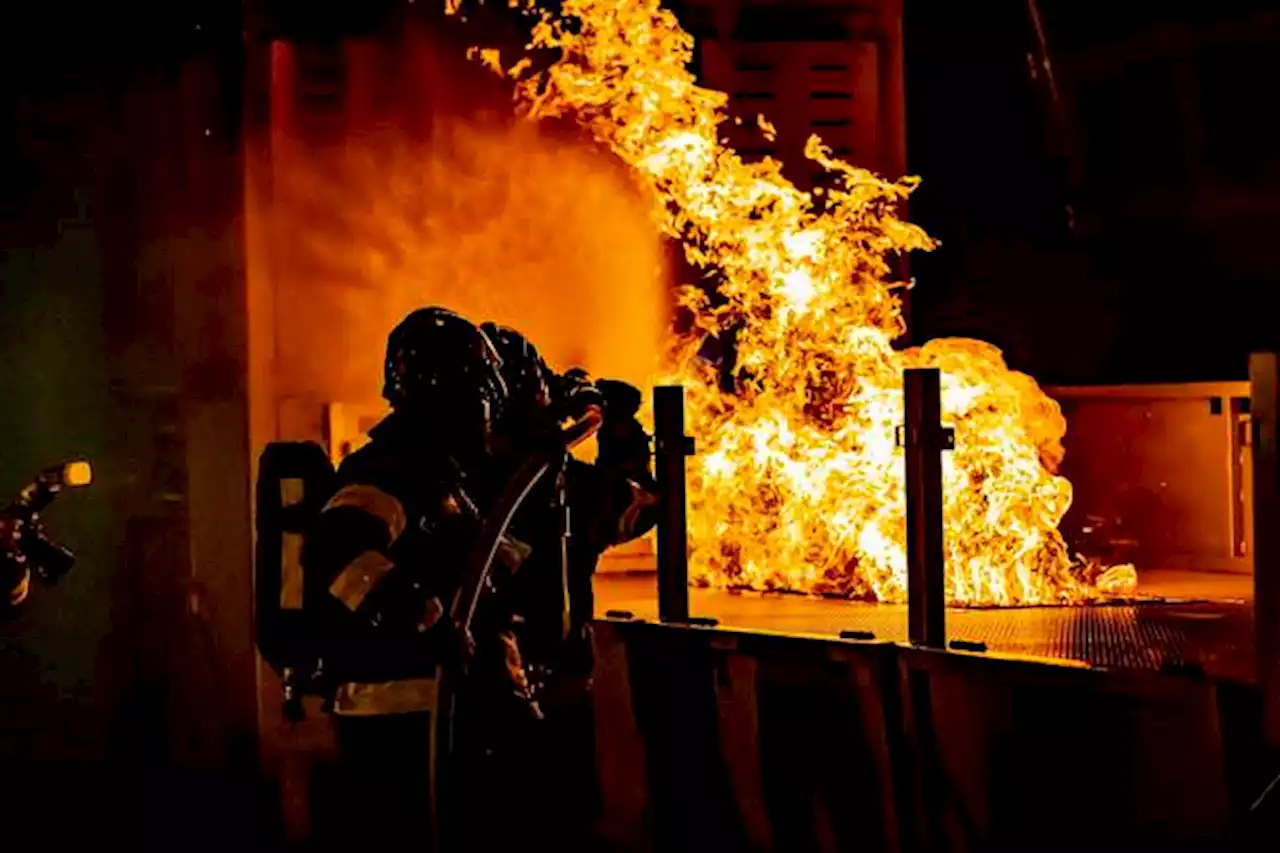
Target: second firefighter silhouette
{"points": [[575, 515], [564, 526], [389, 551]]}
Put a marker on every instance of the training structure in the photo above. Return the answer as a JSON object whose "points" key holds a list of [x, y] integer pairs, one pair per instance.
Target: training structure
{"points": [[895, 737]]}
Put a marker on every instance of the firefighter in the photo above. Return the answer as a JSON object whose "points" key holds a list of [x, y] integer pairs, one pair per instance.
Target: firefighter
{"points": [[383, 561], [565, 526]]}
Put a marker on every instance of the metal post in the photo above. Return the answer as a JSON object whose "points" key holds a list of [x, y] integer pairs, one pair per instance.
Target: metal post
{"points": [[924, 439], [1264, 409], [673, 534]]}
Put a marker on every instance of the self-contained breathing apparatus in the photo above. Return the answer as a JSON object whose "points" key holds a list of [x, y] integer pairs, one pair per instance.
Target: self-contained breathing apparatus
{"points": [[295, 480]]}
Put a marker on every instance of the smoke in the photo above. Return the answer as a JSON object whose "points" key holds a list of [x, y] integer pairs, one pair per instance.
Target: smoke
{"points": [[494, 217]]}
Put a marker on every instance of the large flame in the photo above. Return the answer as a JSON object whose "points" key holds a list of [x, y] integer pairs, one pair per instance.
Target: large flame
{"points": [[798, 483]]}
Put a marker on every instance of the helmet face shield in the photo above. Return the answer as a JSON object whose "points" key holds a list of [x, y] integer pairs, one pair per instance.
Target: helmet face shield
{"points": [[440, 366]]}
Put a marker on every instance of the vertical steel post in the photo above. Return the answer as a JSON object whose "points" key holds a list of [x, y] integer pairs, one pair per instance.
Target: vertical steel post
{"points": [[1264, 410], [923, 439], [673, 533]]}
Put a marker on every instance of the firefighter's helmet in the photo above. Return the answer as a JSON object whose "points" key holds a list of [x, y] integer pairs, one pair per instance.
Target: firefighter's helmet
{"points": [[527, 376], [441, 365]]}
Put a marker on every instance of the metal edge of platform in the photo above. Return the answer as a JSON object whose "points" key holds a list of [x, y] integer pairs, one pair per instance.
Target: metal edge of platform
{"points": [[737, 638]]}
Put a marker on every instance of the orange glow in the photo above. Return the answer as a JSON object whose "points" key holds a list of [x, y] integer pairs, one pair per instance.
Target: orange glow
{"points": [[500, 225], [798, 483], [451, 200], [77, 474]]}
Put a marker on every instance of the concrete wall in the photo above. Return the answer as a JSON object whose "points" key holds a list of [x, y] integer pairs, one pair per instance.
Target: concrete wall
{"points": [[128, 690], [56, 406]]}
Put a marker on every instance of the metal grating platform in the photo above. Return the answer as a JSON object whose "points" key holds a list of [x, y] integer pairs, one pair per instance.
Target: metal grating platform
{"points": [[1213, 636]]}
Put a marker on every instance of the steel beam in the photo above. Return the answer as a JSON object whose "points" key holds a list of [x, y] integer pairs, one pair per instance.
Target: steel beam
{"points": [[924, 439], [673, 533], [1264, 409]]}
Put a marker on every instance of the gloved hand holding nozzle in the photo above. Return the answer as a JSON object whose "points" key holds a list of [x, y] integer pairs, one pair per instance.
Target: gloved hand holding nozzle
{"points": [[25, 546]]}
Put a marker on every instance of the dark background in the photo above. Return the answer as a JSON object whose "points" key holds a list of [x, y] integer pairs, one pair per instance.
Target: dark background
{"points": [[1166, 149]]}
